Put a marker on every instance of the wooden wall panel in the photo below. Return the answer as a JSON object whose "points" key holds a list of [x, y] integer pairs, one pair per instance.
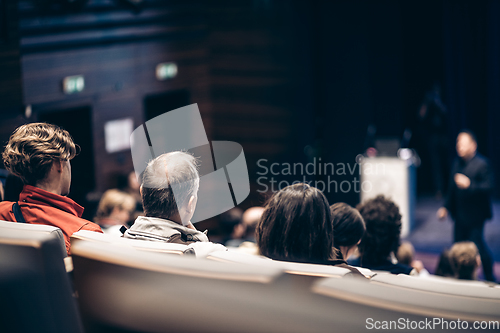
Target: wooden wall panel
{"points": [[250, 82], [116, 50], [10, 68], [231, 55]]}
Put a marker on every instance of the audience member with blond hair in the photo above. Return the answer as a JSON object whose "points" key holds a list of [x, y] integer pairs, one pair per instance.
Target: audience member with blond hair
{"points": [[114, 210], [464, 260], [406, 256], [40, 154]]}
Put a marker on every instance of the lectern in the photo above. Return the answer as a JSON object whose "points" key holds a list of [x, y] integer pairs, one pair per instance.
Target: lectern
{"points": [[394, 178]]}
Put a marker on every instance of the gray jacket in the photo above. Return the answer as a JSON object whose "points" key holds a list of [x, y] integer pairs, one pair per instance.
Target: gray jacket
{"points": [[161, 230]]}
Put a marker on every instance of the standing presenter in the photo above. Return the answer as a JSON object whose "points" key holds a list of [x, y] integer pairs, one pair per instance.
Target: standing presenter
{"points": [[468, 200]]}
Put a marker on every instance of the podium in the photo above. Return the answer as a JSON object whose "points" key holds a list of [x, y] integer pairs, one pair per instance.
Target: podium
{"points": [[394, 178]]}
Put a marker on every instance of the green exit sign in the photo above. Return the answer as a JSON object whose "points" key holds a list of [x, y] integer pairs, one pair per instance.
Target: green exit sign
{"points": [[166, 70], [73, 84]]}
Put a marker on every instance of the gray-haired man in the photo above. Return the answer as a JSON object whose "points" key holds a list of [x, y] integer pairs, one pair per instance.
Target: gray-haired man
{"points": [[169, 195]]}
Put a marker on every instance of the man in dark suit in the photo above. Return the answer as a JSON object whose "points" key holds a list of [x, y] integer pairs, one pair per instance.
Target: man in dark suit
{"points": [[468, 200]]}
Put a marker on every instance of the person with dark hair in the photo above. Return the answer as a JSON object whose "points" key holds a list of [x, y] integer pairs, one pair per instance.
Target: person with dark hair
{"points": [[13, 187], [444, 266], [464, 260], [39, 154], [468, 200], [169, 195], [381, 240], [296, 225], [348, 229], [244, 231]]}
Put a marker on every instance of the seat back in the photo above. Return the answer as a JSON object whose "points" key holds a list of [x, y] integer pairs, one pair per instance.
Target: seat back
{"points": [[410, 301], [121, 288], [161, 247], [41, 228], [124, 290], [36, 293], [289, 267], [441, 285]]}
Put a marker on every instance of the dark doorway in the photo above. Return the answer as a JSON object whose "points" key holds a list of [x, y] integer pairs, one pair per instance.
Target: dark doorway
{"points": [[155, 105], [78, 122]]}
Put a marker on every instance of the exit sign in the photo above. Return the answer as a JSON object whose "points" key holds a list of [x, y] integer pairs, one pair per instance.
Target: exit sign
{"points": [[73, 84], [166, 70]]}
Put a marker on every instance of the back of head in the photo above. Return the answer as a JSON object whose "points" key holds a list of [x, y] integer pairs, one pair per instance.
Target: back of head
{"points": [[405, 253], [168, 183], [383, 228], [444, 266], [296, 226], [33, 147], [114, 198], [250, 219], [464, 260], [348, 225]]}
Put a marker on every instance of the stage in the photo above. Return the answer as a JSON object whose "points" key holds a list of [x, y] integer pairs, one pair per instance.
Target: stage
{"points": [[430, 236]]}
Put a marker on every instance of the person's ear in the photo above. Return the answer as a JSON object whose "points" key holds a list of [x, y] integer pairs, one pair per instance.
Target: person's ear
{"points": [[140, 190], [192, 204], [58, 164]]}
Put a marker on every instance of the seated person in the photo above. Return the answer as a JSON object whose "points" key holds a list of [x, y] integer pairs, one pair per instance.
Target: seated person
{"points": [[168, 214], [348, 229], [444, 266], [40, 155], [381, 240], [245, 230], [405, 255], [114, 210], [297, 226], [227, 222], [465, 260]]}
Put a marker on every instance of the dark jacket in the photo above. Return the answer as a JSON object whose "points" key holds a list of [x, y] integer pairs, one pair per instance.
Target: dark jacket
{"points": [[385, 265], [472, 205]]}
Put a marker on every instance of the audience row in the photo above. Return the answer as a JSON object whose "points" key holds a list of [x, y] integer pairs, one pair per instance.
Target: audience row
{"points": [[297, 224]]}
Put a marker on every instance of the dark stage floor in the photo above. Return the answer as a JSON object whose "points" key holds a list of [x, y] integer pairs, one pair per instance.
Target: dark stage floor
{"points": [[430, 236]]}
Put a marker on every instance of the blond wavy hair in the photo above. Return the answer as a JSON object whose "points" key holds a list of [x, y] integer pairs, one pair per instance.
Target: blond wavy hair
{"points": [[463, 260], [33, 147], [111, 199]]}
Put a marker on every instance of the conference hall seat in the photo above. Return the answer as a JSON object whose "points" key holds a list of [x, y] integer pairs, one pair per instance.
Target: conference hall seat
{"points": [[36, 293], [143, 245], [41, 228], [122, 289], [288, 267], [441, 285], [427, 304]]}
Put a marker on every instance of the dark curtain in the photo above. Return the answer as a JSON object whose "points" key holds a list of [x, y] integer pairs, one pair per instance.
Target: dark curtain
{"points": [[471, 32]]}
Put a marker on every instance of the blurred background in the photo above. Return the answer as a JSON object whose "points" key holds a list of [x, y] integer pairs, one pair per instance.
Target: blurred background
{"points": [[291, 81]]}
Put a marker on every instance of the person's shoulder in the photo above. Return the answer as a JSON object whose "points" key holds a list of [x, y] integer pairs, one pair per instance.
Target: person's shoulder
{"points": [[401, 269], [480, 162], [5, 209], [66, 220], [5, 204], [91, 226]]}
